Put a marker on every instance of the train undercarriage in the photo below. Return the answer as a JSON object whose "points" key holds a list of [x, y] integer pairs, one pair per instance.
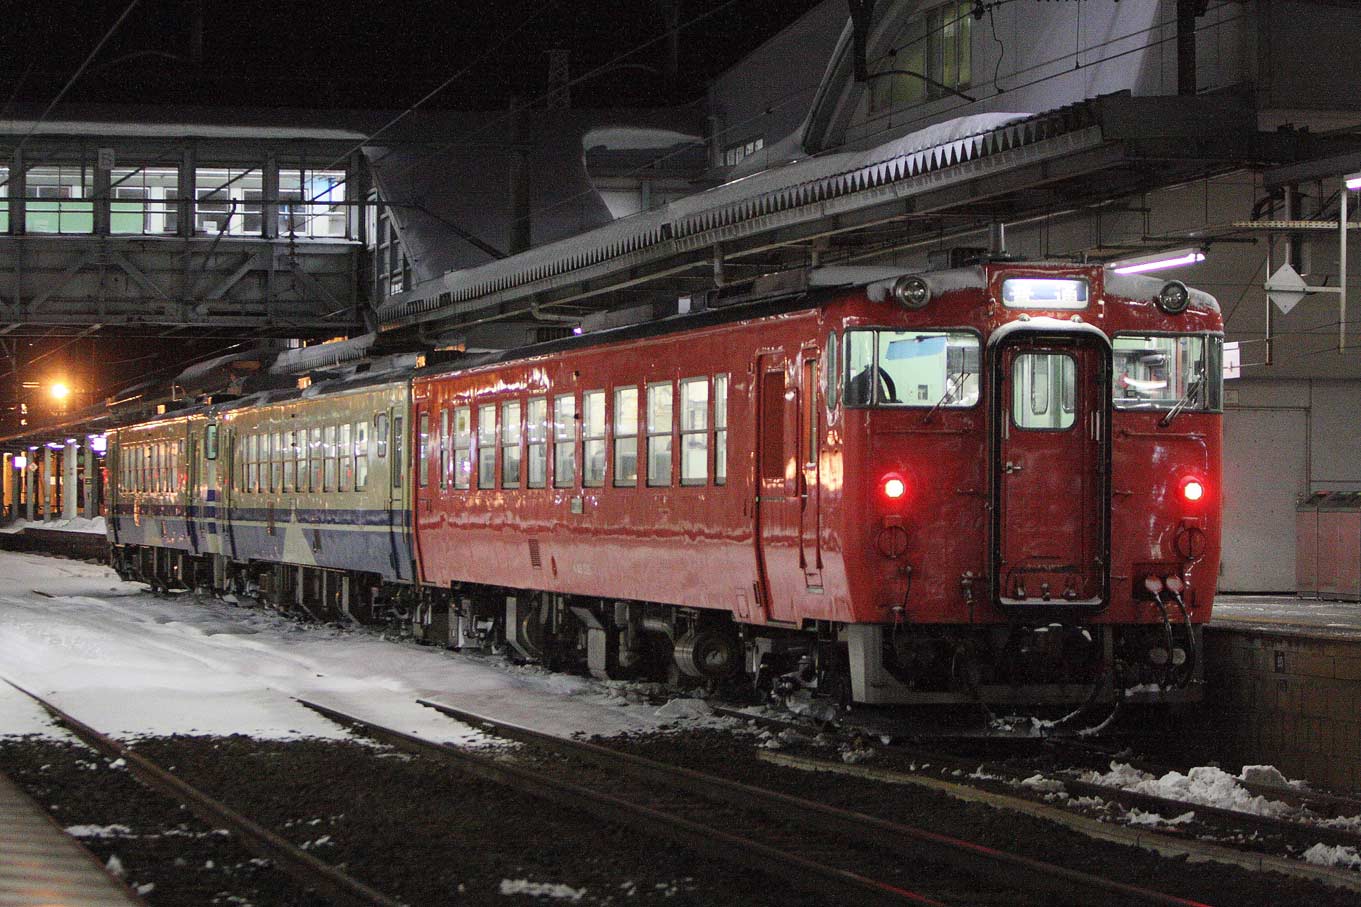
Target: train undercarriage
{"points": [[1046, 663]]}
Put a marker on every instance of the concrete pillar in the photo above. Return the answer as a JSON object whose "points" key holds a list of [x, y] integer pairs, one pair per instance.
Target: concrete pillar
{"points": [[31, 484], [6, 494], [90, 482], [49, 485], [70, 462]]}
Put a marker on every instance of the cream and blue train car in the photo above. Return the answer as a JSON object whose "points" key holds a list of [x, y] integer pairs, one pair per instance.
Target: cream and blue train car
{"points": [[318, 479], [149, 524]]}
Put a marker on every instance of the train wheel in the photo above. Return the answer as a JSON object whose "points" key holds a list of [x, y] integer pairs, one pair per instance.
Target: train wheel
{"points": [[709, 653]]}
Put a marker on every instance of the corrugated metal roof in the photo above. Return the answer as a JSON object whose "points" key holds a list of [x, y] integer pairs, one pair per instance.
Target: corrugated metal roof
{"points": [[803, 191]]}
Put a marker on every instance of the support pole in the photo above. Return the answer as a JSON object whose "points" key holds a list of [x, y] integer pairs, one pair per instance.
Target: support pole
{"points": [[70, 479], [49, 484], [31, 484], [1342, 270], [89, 483], [6, 489]]}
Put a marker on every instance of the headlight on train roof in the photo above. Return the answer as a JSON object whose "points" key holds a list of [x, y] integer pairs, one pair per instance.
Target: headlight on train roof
{"points": [[1173, 297], [911, 292]]}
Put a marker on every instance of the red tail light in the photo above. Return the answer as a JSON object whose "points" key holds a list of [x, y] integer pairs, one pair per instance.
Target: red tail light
{"points": [[894, 487], [1192, 490]]}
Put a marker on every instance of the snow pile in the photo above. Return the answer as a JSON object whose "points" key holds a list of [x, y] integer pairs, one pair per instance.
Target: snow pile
{"points": [[1153, 820], [79, 524], [542, 889], [98, 831], [1340, 856], [1269, 775], [685, 708], [1206, 785], [1040, 783]]}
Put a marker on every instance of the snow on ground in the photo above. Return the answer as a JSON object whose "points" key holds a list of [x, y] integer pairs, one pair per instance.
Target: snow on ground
{"points": [[79, 524], [131, 664], [1278, 611], [1206, 785]]}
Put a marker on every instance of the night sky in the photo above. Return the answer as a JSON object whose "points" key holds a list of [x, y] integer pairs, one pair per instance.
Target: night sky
{"points": [[340, 54], [346, 53]]}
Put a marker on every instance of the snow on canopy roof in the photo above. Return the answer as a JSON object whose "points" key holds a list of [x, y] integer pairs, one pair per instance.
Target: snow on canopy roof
{"points": [[742, 204], [636, 138]]}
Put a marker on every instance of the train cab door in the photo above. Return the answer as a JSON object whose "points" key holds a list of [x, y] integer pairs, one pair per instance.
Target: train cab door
{"points": [[1050, 473], [778, 504], [809, 471]]}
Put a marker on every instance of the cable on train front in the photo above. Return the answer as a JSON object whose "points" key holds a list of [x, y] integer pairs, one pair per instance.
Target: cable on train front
{"points": [[1029, 505]]}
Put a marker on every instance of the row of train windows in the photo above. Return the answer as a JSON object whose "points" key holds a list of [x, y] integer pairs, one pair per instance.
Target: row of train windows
{"points": [[153, 466], [641, 420], [314, 459]]}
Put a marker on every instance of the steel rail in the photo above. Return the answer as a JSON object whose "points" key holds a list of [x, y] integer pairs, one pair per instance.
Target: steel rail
{"points": [[997, 865], [739, 851], [301, 865]]}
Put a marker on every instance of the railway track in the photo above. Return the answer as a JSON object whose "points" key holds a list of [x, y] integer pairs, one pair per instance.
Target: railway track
{"points": [[300, 865], [836, 854]]}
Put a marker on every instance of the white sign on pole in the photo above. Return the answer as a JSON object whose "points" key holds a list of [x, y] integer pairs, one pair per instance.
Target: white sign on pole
{"points": [[1233, 360], [1286, 288]]}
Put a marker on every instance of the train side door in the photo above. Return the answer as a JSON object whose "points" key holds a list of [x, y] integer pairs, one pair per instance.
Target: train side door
{"points": [[193, 491], [399, 519], [809, 472], [778, 503], [1051, 534], [114, 490]]}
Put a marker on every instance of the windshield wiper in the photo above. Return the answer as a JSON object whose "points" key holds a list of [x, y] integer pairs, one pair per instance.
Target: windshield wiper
{"points": [[955, 382], [1191, 396]]}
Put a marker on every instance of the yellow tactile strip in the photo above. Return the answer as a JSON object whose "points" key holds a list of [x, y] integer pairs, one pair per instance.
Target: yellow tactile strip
{"points": [[40, 865]]}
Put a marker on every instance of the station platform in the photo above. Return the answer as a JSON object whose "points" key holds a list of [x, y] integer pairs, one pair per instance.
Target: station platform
{"points": [[1289, 614], [42, 866], [1284, 685]]}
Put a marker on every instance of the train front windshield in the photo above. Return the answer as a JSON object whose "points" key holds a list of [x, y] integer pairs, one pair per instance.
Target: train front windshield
{"points": [[911, 368], [1155, 371]]}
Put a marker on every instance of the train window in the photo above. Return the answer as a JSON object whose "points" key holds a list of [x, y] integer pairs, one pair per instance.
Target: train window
{"points": [[423, 450], [829, 373], [486, 446], [593, 438], [397, 439], [345, 453], [694, 426], [810, 411], [210, 443], [510, 444], [300, 455], [536, 430], [1154, 371], [361, 454], [332, 472], [290, 461], [1040, 383], [1044, 293], [380, 430], [564, 441], [443, 449], [720, 429], [276, 463], [660, 425], [463, 447], [252, 463], [626, 436], [889, 368], [314, 458]]}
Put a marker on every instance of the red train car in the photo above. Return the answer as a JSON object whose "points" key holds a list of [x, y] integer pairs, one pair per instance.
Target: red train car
{"points": [[994, 483]]}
